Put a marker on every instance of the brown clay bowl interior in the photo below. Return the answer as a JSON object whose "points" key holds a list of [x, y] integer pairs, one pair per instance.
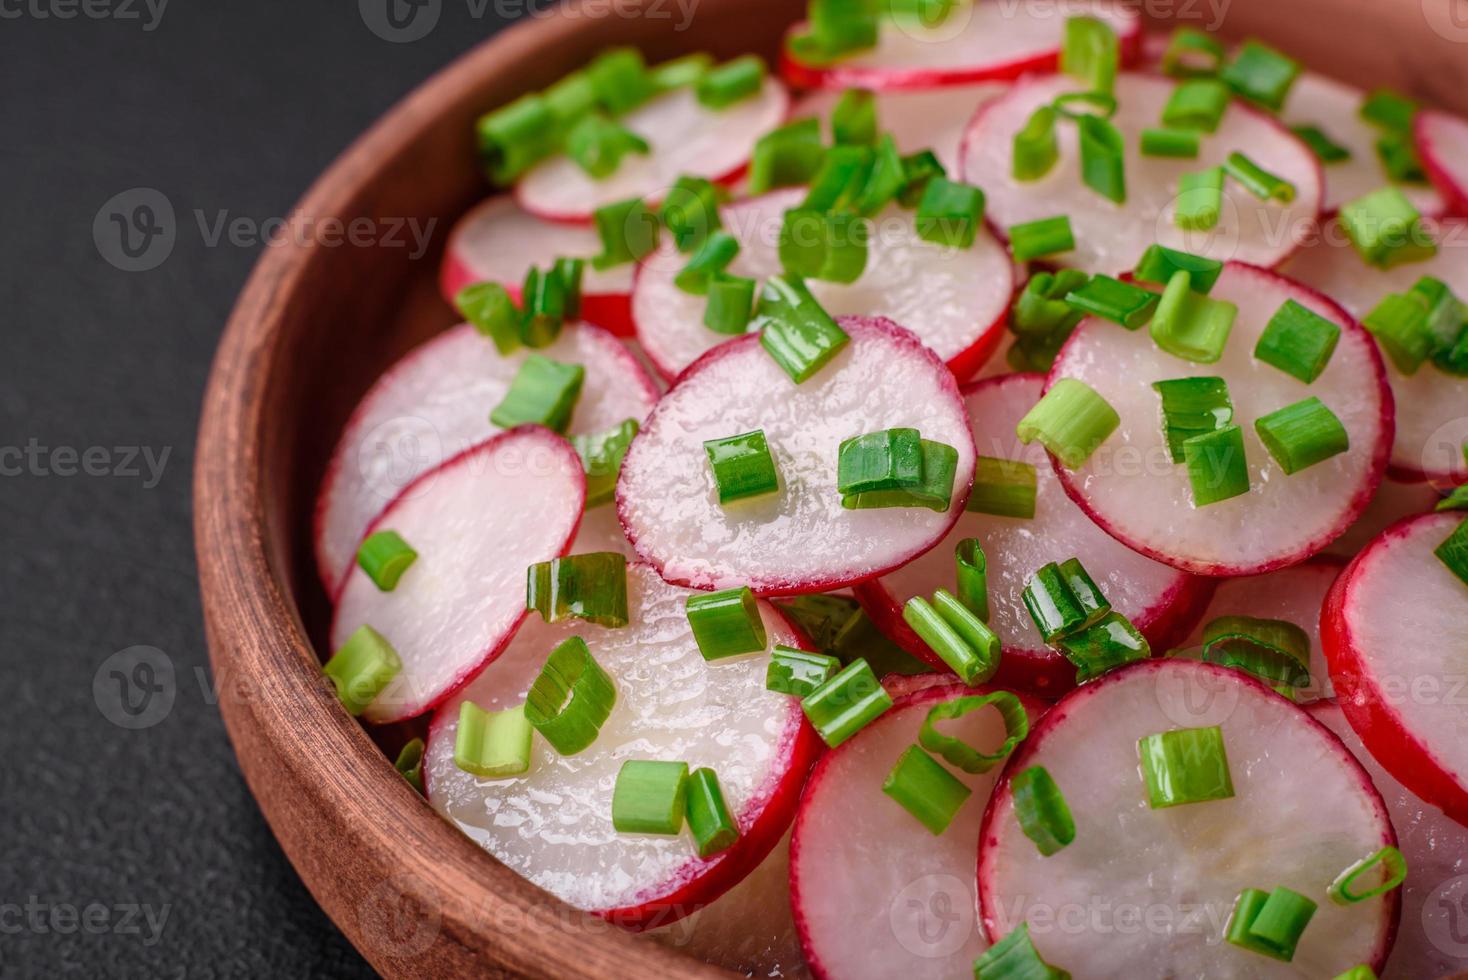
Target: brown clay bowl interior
{"points": [[312, 329]]}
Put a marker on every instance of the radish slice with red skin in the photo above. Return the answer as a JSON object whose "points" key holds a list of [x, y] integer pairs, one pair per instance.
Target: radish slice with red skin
{"points": [[435, 403], [1392, 628], [1430, 941], [1160, 600], [684, 136], [477, 522], [955, 300], [1394, 500], [799, 539], [497, 241], [1131, 487], [1431, 424], [1146, 893], [932, 119], [978, 42], [1109, 237], [553, 825], [1442, 143], [875, 893]]}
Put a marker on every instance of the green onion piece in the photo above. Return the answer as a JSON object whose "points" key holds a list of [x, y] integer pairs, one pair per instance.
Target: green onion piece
{"points": [[1217, 466], [590, 586], [798, 672], [1186, 765], [1388, 865], [1300, 435], [1041, 315], [1041, 810], [691, 212], [958, 753], [1037, 239], [819, 616], [1077, 105], [515, 137], [837, 27], [571, 98], [842, 175], [628, 231], [1389, 110], [488, 306], [950, 213], [707, 261], [1159, 262], [1103, 158], [824, 245], [1003, 487], [1276, 928], [1191, 54], [1258, 181], [601, 457], [1015, 958], [917, 170], [888, 460], [1183, 143], [1457, 500], [1190, 325], [956, 635], [1090, 52], [973, 577], [854, 120], [1386, 229], [1271, 649], [1298, 341], [795, 330], [570, 272], [1454, 552], [650, 797], [1036, 146], [571, 698], [1114, 300], [1191, 407], [544, 297], [1111, 643], [714, 830], [409, 764], [935, 492], [731, 82], [1198, 103], [1199, 200], [362, 668], [621, 80], [1447, 319], [742, 466], [924, 13], [846, 703], [1326, 150], [726, 623], [492, 744], [859, 638], [1071, 421], [1246, 909], [1359, 972], [1064, 600], [598, 144], [786, 156], [730, 304], [925, 789], [1261, 74], [543, 392], [1399, 324], [681, 72], [385, 556], [884, 182], [1398, 155]]}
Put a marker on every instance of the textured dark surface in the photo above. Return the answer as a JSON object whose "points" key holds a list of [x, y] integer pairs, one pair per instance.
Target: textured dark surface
{"points": [[226, 107]]}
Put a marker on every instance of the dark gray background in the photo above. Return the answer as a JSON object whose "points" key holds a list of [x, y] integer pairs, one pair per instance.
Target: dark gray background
{"points": [[223, 106]]}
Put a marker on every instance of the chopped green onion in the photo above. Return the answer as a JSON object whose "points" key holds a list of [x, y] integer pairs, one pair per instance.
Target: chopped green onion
{"points": [[731, 82], [1063, 600], [842, 175], [1453, 552], [859, 638], [1041, 315], [742, 466], [1037, 239], [1159, 262], [950, 213], [1386, 229], [362, 668], [571, 98], [1103, 158], [1389, 110], [691, 212], [958, 753], [385, 556], [918, 169], [1217, 467], [409, 763], [973, 577], [621, 80], [1398, 155], [1090, 52], [492, 744], [601, 457], [824, 245], [1261, 74], [681, 72], [846, 703], [544, 392], [1077, 105], [545, 297], [1298, 341], [726, 623], [786, 156], [1447, 318], [515, 137], [1183, 143], [1198, 103], [1186, 765], [798, 672], [1003, 487], [1246, 909], [714, 830], [1190, 407], [1258, 181], [730, 304], [650, 797], [1326, 150], [923, 13], [820, 616], [597, 145], [885, 181], [956, 635], [488, 306], [628, 231], [837, 27], [1071, 421], [590, 586], [925, 789], [571, 698], [1300, 435], [1111, 643], [1041, 810], [1271, 649], [1199, 200], [707, 261], [888, 460], [1270, 924], [854, 120], [1457, 500], [1015, 958], [935, 492], [570, 273], [1192, 53], [795, 330], [1036, 146], [1359, 972], [1114, 300], [1388, 864], [1399, 324], [1190, 325]]}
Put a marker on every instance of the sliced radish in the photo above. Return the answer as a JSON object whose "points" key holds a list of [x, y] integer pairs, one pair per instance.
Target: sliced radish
{"points": [[1394, 500], [477, 522], [1131, 487], [1162, 601], [1393, 628], [1431, 424], [1110, 238], [1146, 893], [799, 539], [685, 137], [1442, 142], [933, 119], [497, 241], [434, 404], [875, 893], [955, 300], [978, 42], [553, 825]]}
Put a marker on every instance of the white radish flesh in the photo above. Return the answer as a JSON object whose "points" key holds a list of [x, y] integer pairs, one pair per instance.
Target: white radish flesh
{"points": [[1442, 142], [1393, 501], [922, 119]]}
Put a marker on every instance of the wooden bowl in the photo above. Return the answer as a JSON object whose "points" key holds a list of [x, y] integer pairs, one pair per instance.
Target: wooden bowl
{"points": [[318, 321]]}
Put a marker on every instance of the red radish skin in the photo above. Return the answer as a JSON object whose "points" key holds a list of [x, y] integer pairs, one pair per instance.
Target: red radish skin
{"points": [[472, 557], [867, 881], [978, 43], [434, 403], [955, 300], [1401, 691], [1303, 810], [799, 539], [918, 119], [1162, 601], [553, 824], [1132, 489], [1394, 500], [497, 241], [1442, 143], [1109, 237]]}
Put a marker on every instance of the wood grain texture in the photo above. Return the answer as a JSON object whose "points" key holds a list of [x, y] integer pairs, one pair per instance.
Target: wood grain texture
{"points": [[314, 326]]}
